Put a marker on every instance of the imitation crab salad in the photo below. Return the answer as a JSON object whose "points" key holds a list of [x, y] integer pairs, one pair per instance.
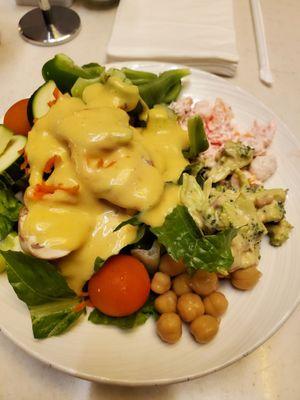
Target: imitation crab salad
{"points": [[121, 202]]}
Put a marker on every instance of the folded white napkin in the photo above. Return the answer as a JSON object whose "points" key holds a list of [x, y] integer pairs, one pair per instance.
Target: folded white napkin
{"points": [[193, 32]]}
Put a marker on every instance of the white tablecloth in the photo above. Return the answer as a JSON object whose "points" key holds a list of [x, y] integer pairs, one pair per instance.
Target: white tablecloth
{"points": [[272, 371]]}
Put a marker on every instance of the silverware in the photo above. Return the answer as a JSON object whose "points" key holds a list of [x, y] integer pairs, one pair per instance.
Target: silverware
{"points": [[265, 73]]}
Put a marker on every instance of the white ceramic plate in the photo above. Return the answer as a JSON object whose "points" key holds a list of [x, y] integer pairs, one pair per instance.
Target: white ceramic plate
{"points": [[108, 355]]}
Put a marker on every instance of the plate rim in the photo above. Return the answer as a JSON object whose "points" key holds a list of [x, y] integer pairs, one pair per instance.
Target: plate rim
{"points": [[185, 378]]}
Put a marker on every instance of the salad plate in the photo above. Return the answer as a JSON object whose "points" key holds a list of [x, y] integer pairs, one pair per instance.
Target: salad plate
{"points": [[109, 355]]}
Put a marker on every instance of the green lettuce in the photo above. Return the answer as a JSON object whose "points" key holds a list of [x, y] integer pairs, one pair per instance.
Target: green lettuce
{"points": [[184, 241], [98, 263], [9, 212], [129, 322], [52, 319], [52, 304]]}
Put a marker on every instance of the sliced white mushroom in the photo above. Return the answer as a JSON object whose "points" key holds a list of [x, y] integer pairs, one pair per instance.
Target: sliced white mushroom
{"points": [[150, 258], [31, 246]]}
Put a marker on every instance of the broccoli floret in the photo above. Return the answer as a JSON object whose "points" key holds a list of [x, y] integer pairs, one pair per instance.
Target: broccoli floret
{"points": [[279, 233]]}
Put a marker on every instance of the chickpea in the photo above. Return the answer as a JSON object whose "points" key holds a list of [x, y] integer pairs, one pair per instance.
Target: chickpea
{"points": [[190, 306], [215, 304], [166, 302], [245, 279], [181, 284], [160, 283], [169, 327], [204, 328], [170, 266], [204, 282]]}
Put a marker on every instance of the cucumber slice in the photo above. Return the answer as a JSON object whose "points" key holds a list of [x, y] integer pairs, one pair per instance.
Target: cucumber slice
{"points": [[14, 177], [5, 137], [11, 242], [38, 104], [81, 84], [12, 151]]}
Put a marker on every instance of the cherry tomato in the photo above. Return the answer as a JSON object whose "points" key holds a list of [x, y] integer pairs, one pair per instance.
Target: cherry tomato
{"points": [[120, 287], [16, 118]]}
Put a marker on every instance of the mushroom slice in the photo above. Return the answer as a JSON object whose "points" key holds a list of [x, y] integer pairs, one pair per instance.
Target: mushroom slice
{"points": [[150, 258], [30, 245]]}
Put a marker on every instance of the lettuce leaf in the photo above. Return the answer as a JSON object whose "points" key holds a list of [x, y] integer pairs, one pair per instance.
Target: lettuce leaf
{"points": [[98, 263], [129, 322], [9, 212], [183, 240], [134, 221], [52, 319], [52, 304]]}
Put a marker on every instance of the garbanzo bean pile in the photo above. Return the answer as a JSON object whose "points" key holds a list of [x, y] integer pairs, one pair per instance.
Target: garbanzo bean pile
{"points": [[193, 299]]}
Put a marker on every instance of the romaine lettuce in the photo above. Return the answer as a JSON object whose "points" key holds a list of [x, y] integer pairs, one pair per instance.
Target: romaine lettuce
{"points": [[184, 241]]}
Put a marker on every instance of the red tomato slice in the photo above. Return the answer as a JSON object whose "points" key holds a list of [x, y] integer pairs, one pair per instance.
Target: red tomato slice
{"points": [[16, 118]]}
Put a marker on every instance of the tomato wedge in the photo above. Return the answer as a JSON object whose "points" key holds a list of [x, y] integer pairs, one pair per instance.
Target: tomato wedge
{"points": [[16, 118]]}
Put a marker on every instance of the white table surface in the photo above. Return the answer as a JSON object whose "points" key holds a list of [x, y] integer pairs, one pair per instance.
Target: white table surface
{"points": [[273, 370]]}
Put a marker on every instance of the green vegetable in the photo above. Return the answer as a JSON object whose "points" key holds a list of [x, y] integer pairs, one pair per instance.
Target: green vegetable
{"points": [[35, 281], [197, 136], [52, 304], [38, 104], [9, 212], [279, 233], [134, 221], [234, 156], [132, 321], [64, 72], [81, 84], [194, 198], [173, 93], [184, 241], [12, 152], [14, 177], [138, 77], [5, 137], [98, 263], [53, 319], [157, 90], [11, 242]]}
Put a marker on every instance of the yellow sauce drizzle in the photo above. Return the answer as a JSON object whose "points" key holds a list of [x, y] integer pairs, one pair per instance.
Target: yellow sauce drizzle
{"points": [[105, 170]]}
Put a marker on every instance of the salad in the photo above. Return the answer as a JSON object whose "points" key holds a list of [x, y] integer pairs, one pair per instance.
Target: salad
{"points": [[120, 202]]}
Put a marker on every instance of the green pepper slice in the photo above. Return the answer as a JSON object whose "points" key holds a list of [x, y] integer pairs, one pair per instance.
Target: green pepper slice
{"points": [[64, 72]]}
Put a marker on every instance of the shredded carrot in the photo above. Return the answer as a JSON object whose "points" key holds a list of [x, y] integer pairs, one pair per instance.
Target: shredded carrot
{"points": [[51, 103], [79, 307], [216, 142], [56, 94], [42, 189], [51, 163], [88, 303], [100, 163], [25, 163]]}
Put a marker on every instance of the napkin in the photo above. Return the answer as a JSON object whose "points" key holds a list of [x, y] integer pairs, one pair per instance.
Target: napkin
{"points": [[194, 32]]}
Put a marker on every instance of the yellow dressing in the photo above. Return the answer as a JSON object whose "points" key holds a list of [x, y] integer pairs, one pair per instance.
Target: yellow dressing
{"points": [[165, 140], [102, 166], [115, 93], [169, 200]]}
